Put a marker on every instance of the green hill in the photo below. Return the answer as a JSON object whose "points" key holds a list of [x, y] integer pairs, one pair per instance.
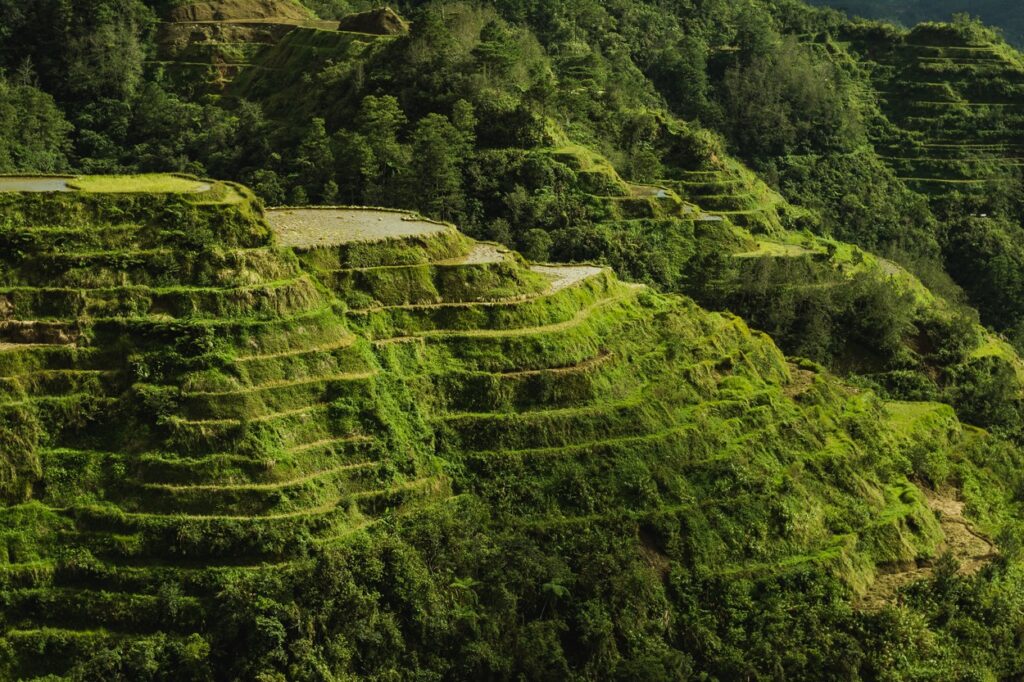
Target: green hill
{"points": [[206, 402], [718, 376]]}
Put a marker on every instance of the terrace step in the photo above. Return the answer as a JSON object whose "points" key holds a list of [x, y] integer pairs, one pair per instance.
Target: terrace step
{"points": [[161, 527], [53, 303], [545, 428], [223, 468], [53, 650], [256, 499], [519, 390], [252, 403], [580, 317], [136, 613]]}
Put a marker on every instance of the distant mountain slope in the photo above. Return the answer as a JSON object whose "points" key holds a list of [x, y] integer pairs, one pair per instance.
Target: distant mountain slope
{"points": [[1006, 14]]}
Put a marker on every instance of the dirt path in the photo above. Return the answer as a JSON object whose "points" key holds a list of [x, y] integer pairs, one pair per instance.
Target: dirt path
{"points": [[889, 268], [971, 550]]}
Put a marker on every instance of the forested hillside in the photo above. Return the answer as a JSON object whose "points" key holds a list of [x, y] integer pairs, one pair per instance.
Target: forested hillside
{"points": [[1004, 14], [761, 419]]}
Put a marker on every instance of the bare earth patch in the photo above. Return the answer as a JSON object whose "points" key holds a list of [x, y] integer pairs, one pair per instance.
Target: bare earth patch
{"points": [[234, 10], [802, 380], [889, 268], [566, 275], [306, 228], [971, 549]]}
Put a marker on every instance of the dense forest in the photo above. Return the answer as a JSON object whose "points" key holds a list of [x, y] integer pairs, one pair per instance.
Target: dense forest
{"points": [[794, 453]]}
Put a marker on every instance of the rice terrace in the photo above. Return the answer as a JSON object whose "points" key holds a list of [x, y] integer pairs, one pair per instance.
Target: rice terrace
{"points": [[306, 228], [568, 340]]}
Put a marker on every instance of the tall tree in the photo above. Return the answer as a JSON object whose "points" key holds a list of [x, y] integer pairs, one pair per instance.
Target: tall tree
{"points": [[34, 136], [314, 161], [378, 123], [435, 180]]}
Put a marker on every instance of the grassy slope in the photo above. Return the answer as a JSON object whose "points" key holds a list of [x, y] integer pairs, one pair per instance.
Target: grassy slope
{"points": [[185, 439]]}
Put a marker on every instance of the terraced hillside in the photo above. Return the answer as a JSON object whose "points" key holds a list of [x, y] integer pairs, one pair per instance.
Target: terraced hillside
{"points": [[956, 105], [200, 398], [271, 79], [207, 44], [1004, 14], [175, 389], [704, 189], [731, 192], [795, 272]]}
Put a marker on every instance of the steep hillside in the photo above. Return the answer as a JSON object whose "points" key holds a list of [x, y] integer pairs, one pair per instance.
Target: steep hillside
{"points": [[321, 442], [1004, 14], [197, 406], [957, 106], [204, 45]]}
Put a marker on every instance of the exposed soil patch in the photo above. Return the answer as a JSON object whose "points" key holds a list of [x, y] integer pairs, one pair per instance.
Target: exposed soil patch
{"points": [[889, 268], [480, 254], [175, 39], [652, 554], [306, 228], [971, 550], [28, 332], [802, 379], [566, 275]]}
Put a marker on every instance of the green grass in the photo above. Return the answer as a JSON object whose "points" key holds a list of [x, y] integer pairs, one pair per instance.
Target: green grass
{"points": [[155, 183], [770, 249]]}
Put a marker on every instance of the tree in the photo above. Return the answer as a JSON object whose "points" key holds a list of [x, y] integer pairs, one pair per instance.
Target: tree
{"points": [[536, 245], [680, 74], [378, 123], [435, 181], [784, 102], [314, 161], [106, 61], [34, 136], [267, 184], [496, 53]]}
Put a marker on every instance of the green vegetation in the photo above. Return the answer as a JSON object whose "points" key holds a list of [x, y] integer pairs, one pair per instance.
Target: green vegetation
{"points": [[324, 442], [1003, 14], [220, 423], [142, 184]]}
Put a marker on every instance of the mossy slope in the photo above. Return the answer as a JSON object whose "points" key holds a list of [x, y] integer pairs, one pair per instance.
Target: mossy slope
{"points": [[188, 405]]}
